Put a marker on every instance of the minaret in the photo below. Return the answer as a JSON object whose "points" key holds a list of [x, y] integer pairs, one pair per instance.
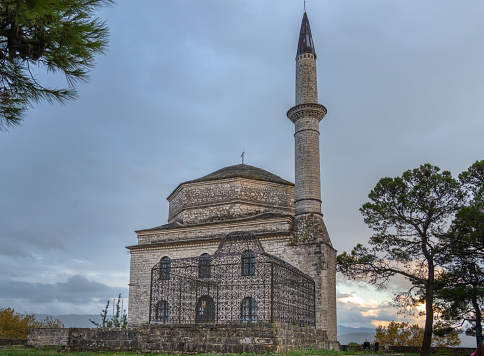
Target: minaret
{"points": [[311, 239], [306, 116]]}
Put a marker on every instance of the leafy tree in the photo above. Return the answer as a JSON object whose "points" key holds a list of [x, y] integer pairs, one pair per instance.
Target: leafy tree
{"points": [[399, 334], [14, 325], [405, 334], [61, 36], [409, 215], [118, 320], [460, 291]]}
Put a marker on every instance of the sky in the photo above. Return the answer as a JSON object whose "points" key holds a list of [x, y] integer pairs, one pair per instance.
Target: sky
{"points": [[186, 86]]}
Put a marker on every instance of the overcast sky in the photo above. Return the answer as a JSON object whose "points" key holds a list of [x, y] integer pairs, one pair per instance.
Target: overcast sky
{"points": [[186, 85]]}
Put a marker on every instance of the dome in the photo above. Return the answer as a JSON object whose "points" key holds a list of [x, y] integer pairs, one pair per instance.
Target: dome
{"points": [[231, 193], [242, 171]]}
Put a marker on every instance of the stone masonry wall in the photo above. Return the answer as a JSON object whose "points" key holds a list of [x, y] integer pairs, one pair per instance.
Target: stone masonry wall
{"points": [[228, 338], [48, 337], [308, 181], [100, 339], [227, 199], [91, 339], [306, 79], [13, 342], [226, 212], [209, 231]]}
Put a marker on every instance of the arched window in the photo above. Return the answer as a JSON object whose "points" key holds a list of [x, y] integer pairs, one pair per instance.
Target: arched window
{"points": [[248, 310], [204, 266], [205, 312], [248, 263], [162, 312], [165, 268]]}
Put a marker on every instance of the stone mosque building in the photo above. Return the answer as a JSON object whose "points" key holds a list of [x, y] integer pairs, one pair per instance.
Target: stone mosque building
{"points": [[242, 244]]}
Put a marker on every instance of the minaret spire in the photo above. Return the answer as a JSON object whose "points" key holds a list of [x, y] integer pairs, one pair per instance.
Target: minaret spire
{"points": [[306, 116], [305, 44]]}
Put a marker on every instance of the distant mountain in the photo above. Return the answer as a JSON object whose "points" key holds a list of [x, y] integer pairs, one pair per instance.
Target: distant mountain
{"points": [[358, 338], [348, 334], [359, 335], [347, 330], [74, 320]]}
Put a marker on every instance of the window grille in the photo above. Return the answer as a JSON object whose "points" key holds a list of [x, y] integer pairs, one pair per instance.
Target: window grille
{"points": [[248, 263], [204, 266], [165, 268], [162, 313], [220, 292], [248, 310]]}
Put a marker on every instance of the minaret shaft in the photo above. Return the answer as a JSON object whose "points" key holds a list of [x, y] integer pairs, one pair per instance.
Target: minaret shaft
{"points": [[308, 182], [306, 116], [306, 80]]}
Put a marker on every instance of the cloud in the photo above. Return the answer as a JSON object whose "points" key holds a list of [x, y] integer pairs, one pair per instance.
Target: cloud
{"points": [[76, 293], [355, 311], [178, 98], [20, 241]]}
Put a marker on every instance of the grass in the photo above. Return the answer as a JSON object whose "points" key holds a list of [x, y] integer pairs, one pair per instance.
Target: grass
{"points": [[24, 351]]}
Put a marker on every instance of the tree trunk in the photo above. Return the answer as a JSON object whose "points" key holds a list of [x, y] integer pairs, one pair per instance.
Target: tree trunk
{"points": [[477, 307], [429, 313]]}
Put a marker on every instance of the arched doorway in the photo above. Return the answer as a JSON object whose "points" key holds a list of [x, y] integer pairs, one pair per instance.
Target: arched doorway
{"points": [[205, 312]]}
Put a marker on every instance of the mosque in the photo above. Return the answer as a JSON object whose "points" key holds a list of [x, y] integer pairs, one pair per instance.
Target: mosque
{"points": [[243, 245]]}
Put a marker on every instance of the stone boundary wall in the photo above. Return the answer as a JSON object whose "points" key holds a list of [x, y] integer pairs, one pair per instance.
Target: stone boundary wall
{"points": [[13, 342], [48, 337], [230, 338], [92, 339], [101, 339], [222, 338]]}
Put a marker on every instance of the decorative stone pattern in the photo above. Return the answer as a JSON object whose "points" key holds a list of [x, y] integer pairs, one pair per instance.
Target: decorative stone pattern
{"points": [[227, 199]]}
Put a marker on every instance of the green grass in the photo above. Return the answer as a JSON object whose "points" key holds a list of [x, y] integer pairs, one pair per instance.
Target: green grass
{"points": [[23, 351]]}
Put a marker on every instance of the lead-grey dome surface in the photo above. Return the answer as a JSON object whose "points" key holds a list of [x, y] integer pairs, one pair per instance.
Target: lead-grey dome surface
{"points": [[242, 171]]}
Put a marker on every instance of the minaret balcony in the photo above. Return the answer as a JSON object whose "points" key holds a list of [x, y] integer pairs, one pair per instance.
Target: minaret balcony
{"points": [[309, 110]]}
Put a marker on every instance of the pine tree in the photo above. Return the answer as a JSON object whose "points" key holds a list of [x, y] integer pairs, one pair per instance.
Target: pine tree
{"points": [[59, 36], [409, 215]]}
